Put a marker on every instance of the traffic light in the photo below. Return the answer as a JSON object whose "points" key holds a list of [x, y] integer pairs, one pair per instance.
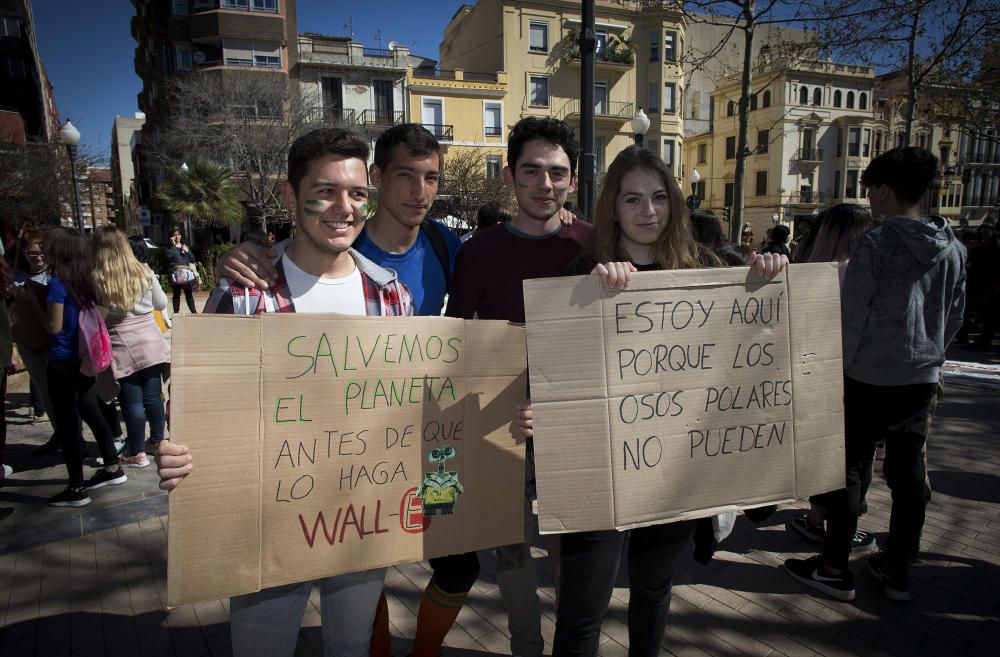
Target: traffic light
{"points": [[726, 213]]}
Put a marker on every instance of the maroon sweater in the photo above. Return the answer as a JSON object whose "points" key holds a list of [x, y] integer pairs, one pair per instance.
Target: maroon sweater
{"points": [[491, 266]]}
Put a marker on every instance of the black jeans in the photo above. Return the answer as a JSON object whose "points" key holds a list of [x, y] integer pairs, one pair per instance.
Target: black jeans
{"points": [[587, 572], [188, 296], [73, 397], [901, 416]]}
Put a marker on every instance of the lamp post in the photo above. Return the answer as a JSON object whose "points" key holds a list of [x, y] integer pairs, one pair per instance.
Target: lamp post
{"points": [[70, 137], [640, 126], [185, 169], [693, 201]]}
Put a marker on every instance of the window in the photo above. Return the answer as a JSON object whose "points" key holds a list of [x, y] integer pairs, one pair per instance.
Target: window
{"points": [[766, 100], [836, 184], [670, 46], [699, 189], [10, 27], [601, 45], [180, 8], [729, 194], [654, 97], [863, 101], [236, 4], [730, 148], [853, 142], [803, 96], [668, 153], [493, 119], [599, 154], [763, 137], [268, 110], [852, 184], [702, 153], [539, 89], [267, 54], [838, 98], [878, 143], [13, 66], [265, 5], [840, 142], [601, 98], [432, 116], [654, 46], [866, 144], [493, 166], [850, 100], [730, 108], [753, 102], [761, 183], [538, 36], [668, 97], [817, 96], [183, 57]]}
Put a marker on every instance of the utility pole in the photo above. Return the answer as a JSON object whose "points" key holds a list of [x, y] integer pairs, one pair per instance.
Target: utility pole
{"points": [[586, 181]]}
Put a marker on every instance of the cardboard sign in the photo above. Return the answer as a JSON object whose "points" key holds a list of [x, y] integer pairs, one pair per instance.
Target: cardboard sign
{"points": [[326, 444], [689, 394]]}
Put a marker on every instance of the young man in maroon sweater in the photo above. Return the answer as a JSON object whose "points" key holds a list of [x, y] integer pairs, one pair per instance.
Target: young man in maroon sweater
{"points": [[489, 270]]}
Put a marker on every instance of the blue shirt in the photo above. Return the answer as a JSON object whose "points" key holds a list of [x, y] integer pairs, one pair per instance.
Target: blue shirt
{"points": [[418, 267], [65, 345]]}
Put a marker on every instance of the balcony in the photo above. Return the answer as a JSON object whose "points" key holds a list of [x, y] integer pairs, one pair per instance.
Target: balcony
{"points": [[808, 155], [371, 118], [212, 26], [441, 131], [330, 51], [807, 197], [609, 112], [334, 116]]}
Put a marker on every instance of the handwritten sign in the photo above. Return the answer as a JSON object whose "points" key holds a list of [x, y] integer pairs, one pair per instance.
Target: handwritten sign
{"points": [[688, 394], [327, 444]]}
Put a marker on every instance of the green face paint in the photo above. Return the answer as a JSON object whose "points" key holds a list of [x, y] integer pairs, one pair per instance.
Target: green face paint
{"points": [[314, 207]]}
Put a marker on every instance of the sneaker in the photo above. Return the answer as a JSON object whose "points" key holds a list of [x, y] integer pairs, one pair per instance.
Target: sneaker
{"points": [[72, 496], [120, 446], [139, 461], [896, 586], [7, 471], [809, 531], [812, 573], [863, 542], [38, 418], [104, 478]]}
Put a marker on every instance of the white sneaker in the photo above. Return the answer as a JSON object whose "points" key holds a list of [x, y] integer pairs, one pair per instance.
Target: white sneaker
{"points": [[7, 471]]}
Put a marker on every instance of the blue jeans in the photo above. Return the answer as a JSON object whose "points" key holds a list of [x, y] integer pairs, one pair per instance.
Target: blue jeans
{"points": [[266, 623], [140, 399]]}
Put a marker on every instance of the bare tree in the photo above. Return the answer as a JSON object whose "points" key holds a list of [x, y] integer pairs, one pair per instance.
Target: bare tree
{"points": [[246, 121], [36, 184], [465, 187]]}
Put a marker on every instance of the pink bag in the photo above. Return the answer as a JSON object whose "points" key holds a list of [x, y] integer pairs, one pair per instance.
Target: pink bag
{"points": [[95, 343]]}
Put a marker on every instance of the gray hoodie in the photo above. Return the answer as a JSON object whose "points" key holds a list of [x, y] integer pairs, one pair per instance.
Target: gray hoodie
{"points": [[902, 301]]}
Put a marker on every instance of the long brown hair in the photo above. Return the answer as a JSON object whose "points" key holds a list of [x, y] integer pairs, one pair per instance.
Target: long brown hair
{"points": [[675, 248], [68, 255], [839, 227]]}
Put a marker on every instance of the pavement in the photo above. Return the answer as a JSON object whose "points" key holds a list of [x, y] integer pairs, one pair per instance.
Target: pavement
{"points": [[92, 581]]}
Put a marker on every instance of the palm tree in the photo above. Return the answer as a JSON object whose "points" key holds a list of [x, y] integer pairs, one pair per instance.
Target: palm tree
{"points": [[205, 192]]}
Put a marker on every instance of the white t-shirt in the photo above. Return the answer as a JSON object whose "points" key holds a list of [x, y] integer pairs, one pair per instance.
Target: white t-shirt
{"points": [[312, 294]]}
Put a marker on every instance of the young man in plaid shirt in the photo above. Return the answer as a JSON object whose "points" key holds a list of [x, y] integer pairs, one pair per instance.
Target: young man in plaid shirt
{"points": [[327, 189]]}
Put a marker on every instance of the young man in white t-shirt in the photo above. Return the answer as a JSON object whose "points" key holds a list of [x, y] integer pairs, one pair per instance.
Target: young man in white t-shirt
{"points": [[327, 189]]}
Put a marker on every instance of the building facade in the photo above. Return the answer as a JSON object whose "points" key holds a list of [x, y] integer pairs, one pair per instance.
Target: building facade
{"points": [[638, 64], [97, 198], [125, 135]]}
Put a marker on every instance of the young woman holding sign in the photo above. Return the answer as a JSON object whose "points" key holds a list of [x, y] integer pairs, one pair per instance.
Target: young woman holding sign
{"points": [[640, 224]]}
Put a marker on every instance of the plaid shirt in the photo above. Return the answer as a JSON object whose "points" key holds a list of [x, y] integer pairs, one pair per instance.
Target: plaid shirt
{"points": [[385, 295]]}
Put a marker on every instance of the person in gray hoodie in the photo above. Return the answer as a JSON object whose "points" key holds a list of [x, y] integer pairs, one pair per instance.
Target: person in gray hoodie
{"points": [[902, 303]]}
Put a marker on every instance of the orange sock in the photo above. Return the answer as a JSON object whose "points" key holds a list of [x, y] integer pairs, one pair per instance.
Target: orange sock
{"points": [[380, 645], [437, 614]]}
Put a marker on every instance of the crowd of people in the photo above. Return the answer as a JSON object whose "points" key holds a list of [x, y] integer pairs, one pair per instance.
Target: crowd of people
{"points": [[903, 285]]}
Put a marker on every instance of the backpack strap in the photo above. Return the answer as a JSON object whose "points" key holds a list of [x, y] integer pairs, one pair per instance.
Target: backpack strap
{"points": [[433, 232]]}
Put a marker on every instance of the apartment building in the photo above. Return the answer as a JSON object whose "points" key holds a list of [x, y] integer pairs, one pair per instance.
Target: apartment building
{"points": [[639, 50], [97, 198], [24, 85], [812, 132], [226, 38], [125, 135]]}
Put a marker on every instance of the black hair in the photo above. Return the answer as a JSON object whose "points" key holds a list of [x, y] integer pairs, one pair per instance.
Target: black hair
{"points": [[418, 139], [731, 255], [908, 172], [490, 214], [139, 248], [707, 229], [551, 130], [779, 234], [320, 143]]}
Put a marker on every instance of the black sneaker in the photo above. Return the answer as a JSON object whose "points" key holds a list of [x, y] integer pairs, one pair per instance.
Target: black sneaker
{"points": [[863, 543], [809, 531], [104, 478], [812, 573], [72, 496], [50, 447], [896, 586]]}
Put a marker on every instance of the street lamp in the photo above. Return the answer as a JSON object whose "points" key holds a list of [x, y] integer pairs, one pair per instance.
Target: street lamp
{"points": [[640, 126], [185, 169], [693, 201], [695, 179], [70, 137]]}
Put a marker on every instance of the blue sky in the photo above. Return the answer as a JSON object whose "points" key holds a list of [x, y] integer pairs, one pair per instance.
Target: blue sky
{"points": [[89, 54]]}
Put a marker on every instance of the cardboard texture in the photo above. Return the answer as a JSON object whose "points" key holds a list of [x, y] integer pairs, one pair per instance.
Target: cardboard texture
{"points": [[688, 394], [312, 435]]}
